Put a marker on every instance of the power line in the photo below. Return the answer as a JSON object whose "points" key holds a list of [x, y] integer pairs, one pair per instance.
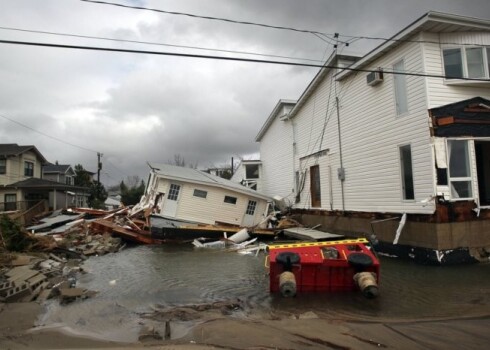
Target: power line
{"points": [[204, 17], [411, 41], [51, 137], [238, 59], [317, 33], [158, 44]]}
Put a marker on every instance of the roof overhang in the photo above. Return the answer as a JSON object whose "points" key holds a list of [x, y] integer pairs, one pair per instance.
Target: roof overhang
{"points": [[331, 62], [272, 116], [434, 22]]}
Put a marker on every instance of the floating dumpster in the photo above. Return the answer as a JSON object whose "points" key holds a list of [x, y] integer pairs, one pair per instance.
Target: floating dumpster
{"points": [[332, 266]]}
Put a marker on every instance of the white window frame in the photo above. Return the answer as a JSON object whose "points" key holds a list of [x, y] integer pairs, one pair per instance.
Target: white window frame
{"points": [[468, 178], [400, 93], [464, 60]]}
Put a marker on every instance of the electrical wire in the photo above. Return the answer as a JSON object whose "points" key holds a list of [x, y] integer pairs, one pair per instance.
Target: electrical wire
{"points": [[156, 44], [46, 135], [204, 17], [326, 35], [239, 59]]}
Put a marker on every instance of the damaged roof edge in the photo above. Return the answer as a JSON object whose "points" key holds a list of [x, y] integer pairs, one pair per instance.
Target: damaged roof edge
{"points": [[206, 180]]}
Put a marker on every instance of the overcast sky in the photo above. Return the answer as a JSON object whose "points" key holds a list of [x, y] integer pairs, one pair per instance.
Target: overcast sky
{"points": [[135, 108]]}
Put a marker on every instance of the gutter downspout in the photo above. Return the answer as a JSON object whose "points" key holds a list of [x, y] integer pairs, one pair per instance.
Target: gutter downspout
{"points": [[341, 178]]}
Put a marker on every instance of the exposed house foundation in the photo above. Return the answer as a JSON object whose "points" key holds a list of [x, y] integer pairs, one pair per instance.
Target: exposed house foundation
{"points": [[453, 234]]}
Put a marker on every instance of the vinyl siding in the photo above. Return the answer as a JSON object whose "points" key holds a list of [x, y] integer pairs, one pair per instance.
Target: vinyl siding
{"points": [[439, 92], [371, 135], [212, 208], [15, 168], [276, 154]]}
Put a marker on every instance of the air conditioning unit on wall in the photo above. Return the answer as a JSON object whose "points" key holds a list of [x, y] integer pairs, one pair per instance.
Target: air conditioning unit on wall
{"points": [[374, 78]]}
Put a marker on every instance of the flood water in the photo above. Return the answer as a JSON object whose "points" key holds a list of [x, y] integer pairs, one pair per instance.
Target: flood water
{"points": [[143, 277]]}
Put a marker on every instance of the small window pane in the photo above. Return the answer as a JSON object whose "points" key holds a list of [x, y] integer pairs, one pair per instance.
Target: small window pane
{"points": [[230, 200], [461, 189], [474, 60], [28, 169], [459, 164], [488, 61], [173, 194], [407, 172], [3, 166], [252, 171], [251, 207], [453, 63], [200, 193]]}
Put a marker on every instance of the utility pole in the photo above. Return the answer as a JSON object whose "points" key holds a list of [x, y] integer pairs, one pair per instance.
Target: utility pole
{"points": [[99, 166]]}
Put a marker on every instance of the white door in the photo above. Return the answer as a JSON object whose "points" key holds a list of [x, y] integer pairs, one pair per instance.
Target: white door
{"points": [[170, 205], [248, 218]]}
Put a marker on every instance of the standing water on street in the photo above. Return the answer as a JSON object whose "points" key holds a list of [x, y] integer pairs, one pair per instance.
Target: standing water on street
{"points": [[140, 279]]}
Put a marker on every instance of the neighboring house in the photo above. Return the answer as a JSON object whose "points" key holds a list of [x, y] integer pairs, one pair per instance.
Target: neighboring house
{"points": [[113, 202], [19, 163], [192, 195], [59, 173], [360, 147], [22, 185], [221, 172], [248, 174]]}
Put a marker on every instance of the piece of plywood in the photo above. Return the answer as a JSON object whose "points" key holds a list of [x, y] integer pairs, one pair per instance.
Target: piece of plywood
{"points": [[304, 233]]}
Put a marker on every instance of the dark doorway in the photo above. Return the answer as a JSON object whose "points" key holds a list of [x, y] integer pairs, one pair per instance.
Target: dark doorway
{"points": [[316, 198], [482, 149]]}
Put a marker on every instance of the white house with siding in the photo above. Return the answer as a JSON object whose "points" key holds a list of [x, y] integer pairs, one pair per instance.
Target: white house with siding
{"points": [[192, 195], [404, 129]]}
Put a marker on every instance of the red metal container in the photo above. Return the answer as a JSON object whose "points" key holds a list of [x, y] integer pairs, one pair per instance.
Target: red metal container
{"points": [[322, 266]]}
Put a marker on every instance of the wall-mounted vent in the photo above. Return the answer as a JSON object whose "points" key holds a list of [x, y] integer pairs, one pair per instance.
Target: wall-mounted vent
{"points": [[374, 78]]}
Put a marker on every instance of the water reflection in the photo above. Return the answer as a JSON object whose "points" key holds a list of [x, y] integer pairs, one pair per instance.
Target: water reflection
{"points": [[143, 277]]}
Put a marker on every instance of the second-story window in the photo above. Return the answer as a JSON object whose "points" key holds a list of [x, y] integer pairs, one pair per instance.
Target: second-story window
{"points": [[3, 166], [400, 83], [29, 169], [252, 171], [466, 62]]}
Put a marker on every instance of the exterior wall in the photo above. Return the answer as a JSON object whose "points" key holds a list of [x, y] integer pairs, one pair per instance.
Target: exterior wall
{"points": [[276, 154], [212, 208], [52, 177], [15, 168], [439, 91], [371, 134]]}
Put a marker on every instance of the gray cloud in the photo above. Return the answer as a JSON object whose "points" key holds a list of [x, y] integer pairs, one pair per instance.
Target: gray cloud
{"points": [[135, 108]]}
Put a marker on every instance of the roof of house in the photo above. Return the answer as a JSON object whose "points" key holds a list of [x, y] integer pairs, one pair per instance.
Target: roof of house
{"points": [[56, 168], [13, 149], [183, 174], [272, 116], [34, 183], [435, 22]]}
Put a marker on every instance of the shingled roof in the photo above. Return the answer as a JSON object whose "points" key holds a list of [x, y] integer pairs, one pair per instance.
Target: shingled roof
{"points": [[13, 149], [45, 184]]}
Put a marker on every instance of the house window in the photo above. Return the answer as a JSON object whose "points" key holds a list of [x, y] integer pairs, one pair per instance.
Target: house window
{"points": [[10, 202], [200, 193], [316, 198], [173, 193], [251, 207], [230, 200], [453, 63], [407, 172], [252, 171], [400, 83], [468, 62], [28, 169], [459, 169], [69, 180], [3, 166]]}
